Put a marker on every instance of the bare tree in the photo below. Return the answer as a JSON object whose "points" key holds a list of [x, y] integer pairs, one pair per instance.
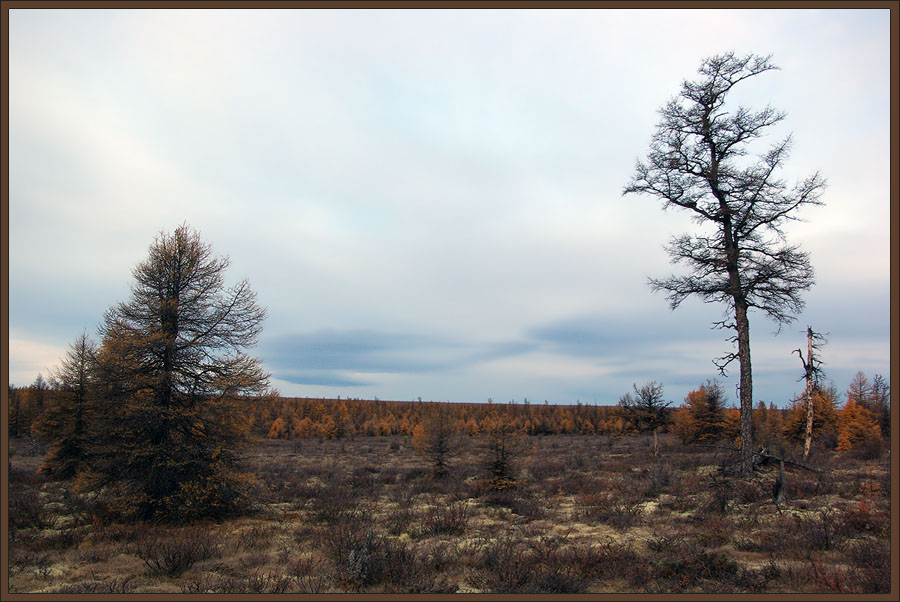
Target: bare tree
{"points": [[173, 370], [812, 373], [698, 161], [646, 410]]}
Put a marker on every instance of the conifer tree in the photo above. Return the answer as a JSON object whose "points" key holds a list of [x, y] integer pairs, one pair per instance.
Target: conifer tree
{"points": [[64, 426], [646, 410], [856, 424], [436, 437], [707, 409], [173, 376]]}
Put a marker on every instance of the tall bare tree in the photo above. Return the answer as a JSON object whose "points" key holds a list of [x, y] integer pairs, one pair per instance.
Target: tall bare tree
{"points": [[172, 366], [699, 160]]}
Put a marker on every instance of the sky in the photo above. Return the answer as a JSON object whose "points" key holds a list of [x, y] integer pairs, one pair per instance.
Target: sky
{"points": [[429, 202]]}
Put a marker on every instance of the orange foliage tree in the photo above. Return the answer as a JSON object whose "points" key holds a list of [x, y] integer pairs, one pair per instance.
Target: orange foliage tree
{"points": [[825, 417], [856, 424], [702, 416]]}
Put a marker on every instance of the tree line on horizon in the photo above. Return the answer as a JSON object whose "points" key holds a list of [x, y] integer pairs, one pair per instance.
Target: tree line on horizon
{"points": [[704, 416]]}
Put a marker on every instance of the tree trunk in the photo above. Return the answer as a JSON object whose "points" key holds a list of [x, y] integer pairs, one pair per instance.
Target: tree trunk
{"points": [[655, 442], [746, 387], [809, 387]]}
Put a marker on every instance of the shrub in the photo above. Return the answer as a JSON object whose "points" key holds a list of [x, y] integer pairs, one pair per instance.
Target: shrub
{"points": [[335, 503], [255, 538], [63, 539], [100, 585], [307, 574], [656, 479], [362, 478], [620, 513], [687, 566], [544, 566], [871, 567], [365, 560], [255, 582], [20, 559], [27, 510], [450, 519], [171, 552], [93, 554], [816, 532], [861, 518]]}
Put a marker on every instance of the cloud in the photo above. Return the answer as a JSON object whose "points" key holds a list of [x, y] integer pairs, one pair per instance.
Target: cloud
{"points": [[363, 357], [319, 379], [27, 358], [357, 351]]}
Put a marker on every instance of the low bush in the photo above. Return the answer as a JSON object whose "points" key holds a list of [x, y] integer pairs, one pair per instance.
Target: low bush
{"points": [[862, 518], [871, 567], [171, 552], [816, 532], [308, 574], [257, 537], [449, 519], [100, 585], [510, 566], [684, 564], [621, 513], [27, 510], [335, 503], [370, 560], [255, 582]]}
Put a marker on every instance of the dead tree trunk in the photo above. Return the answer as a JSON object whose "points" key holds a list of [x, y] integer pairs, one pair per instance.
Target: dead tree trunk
{"points": [[809, 400], [811, 371]]}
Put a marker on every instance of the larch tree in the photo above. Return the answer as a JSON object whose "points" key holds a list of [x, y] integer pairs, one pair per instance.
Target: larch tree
{"points": [[500, 439], [64, 426], [700, 161], [881, 403], [437, 438], [37, 393], [706, 408], [857, 424], [173, 371], [825, 416], [646, 410]]}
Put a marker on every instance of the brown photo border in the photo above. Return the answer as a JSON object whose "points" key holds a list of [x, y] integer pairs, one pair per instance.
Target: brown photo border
{"points": [[894, 8]]}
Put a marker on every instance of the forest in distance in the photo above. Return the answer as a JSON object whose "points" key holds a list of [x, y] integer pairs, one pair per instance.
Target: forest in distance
{"points": [[858, 417]]}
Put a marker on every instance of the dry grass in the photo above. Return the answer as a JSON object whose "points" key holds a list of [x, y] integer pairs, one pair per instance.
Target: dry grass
{"points": [[581, 514]]}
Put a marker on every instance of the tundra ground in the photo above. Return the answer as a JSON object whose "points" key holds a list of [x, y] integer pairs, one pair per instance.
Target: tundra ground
{"points": [[584, 514]]}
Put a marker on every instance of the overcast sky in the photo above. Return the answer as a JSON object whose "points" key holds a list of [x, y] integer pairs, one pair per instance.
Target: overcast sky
{"points": [[429, 202]]}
